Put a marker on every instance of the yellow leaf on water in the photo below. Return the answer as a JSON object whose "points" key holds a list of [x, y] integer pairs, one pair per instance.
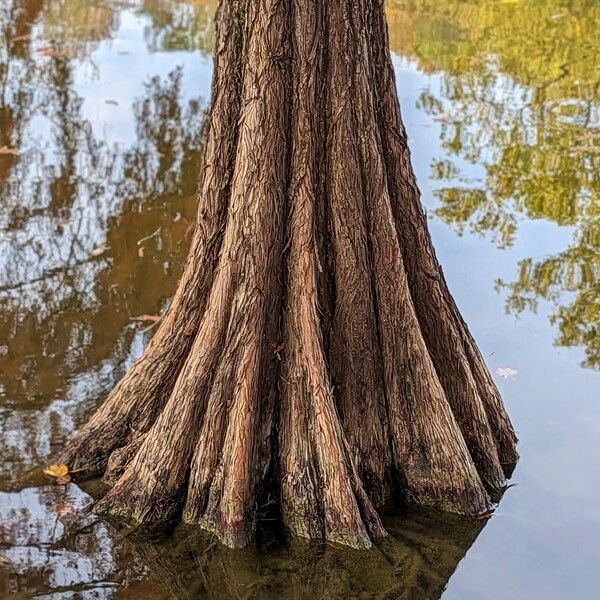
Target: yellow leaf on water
{"points": [[57, 470]]}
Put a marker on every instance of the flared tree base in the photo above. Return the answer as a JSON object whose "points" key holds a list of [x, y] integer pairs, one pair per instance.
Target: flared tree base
{"points": [[312, 347]]}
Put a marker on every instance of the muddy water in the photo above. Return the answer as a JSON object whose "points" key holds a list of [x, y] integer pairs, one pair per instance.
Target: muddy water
{"points": [[101, 111]]}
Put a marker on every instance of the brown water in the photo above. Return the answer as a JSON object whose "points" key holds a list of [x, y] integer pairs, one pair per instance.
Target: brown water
{"points": [[101, 112]]}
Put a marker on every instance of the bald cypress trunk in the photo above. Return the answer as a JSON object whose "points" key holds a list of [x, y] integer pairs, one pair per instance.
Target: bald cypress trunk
{"points": [[312, 347]]}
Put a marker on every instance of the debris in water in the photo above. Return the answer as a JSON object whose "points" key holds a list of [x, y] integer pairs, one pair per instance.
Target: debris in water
{"points": [[506, 372]]}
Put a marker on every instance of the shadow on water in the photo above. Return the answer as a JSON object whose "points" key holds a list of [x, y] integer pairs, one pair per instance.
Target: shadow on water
{"points": [[416, 561]]}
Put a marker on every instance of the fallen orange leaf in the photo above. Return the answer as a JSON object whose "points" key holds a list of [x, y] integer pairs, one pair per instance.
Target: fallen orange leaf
{"points": [[63, 509], [7, 150], [58, 470], [48, 51], [153, 318], [4, 562]]}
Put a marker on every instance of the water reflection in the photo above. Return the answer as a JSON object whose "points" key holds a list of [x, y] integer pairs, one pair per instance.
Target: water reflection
{"points": [[415, 561], [101, 121], [52, 547], [519, 98], [181, 24], [74, 205]]}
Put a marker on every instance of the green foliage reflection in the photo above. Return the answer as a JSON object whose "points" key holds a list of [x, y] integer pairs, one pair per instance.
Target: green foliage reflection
{"points": [[519, 96]]}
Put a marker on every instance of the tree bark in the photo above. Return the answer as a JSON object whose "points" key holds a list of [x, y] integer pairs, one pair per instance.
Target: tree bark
{"points": [[312, 348]]}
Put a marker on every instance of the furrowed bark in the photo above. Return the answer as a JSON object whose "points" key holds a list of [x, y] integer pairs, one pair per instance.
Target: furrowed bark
{"points": [[224, 476], [429, 449], [218, 390], [468, 385], [355, 352], [312, 349], [321, 493], [140, 395]]}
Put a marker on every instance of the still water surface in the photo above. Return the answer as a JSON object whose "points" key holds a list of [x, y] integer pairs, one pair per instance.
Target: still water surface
{"points": [[101, 111]]}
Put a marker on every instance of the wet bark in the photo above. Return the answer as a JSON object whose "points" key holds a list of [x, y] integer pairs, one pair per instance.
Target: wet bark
{"points": [[312, 347]]}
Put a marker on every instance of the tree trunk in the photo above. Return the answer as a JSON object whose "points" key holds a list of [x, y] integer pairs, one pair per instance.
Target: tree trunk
{"points": [[312, 347]]}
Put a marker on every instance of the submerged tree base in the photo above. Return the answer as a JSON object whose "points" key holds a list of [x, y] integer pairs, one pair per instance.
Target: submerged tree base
{"points": [[312, 348]]}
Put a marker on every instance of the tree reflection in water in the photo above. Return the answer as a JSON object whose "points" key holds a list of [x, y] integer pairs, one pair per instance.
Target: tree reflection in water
{"points": [[51, 544], [416, 561], [519, 95], [72, 209]]}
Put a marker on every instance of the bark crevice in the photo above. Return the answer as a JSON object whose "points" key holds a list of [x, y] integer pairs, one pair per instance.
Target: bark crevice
{"points": [[312, 338]]}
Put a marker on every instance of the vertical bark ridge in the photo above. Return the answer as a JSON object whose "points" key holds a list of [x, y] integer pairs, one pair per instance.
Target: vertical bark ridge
{"points": [[217, 392], [466, 381], [223, 479], [322, 495], [138, 398], [429, 449], [355, 352], [379, 375]]}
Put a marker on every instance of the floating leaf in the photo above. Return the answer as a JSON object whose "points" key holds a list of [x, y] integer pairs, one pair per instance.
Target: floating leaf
{"points": [[7, 150], [99, 250], [48, 51], [177, 217], [141, 251], [506, 372], [64, 509], [148, 237], [20, 38], [153, 318], [57, 470], [4, 562], [444, 119]]}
